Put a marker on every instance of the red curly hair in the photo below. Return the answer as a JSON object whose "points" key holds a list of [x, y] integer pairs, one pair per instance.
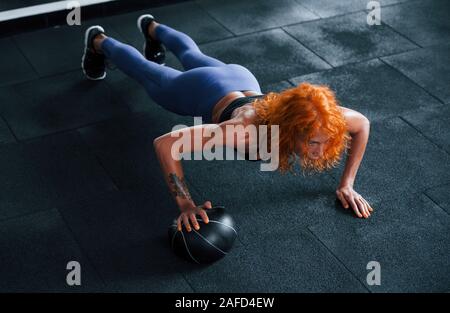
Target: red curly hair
{"points": [[300, 112]]}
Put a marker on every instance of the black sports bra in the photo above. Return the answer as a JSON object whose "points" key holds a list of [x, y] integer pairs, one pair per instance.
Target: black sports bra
{"points": [[236, 103]]}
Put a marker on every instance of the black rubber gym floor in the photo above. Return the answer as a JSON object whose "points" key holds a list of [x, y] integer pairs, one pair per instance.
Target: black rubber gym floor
{"points": [[80, 181]]}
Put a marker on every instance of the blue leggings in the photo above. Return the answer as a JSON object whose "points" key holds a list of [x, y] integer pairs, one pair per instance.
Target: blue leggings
{"points": [[193, 92]]}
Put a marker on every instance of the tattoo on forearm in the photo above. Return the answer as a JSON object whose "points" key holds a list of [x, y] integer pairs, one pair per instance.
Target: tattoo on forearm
{"points": [[178, 186]]}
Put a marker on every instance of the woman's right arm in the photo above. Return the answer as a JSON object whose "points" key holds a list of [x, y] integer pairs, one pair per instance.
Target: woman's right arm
{"points": [[169, 160]]}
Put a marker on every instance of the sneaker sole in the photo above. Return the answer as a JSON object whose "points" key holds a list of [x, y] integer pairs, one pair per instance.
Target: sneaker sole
{"points": [[84, 54], [138, 24]]}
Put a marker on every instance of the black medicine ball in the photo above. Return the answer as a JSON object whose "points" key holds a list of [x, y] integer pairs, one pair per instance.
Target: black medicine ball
{"points": [[208, 244]]}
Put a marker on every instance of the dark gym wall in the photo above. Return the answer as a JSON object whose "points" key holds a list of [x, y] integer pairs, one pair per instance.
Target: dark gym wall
{"points": [[34, 22]]}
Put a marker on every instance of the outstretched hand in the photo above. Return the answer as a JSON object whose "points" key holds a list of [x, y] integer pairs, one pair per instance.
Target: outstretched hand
{"points": [[189, 212], [350, 198]]}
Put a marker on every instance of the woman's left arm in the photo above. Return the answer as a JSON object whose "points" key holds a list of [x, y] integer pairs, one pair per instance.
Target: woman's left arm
{"points": [[358, 128]]}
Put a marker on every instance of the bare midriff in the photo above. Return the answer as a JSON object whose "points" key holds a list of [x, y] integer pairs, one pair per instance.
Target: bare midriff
{"points": [[225, 101]]}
